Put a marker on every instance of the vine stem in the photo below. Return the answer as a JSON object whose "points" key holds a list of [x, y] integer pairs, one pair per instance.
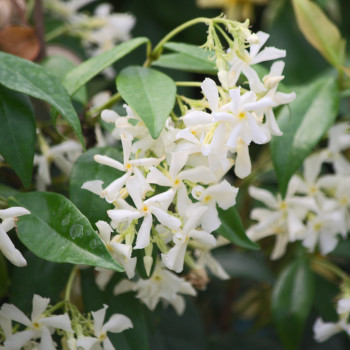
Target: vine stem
{"points": [[189, 83], [70, 284], [57, 32], [177, 30], [113, 100], [332, 268]]}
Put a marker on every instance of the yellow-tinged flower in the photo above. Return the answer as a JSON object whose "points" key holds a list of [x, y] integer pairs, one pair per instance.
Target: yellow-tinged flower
{"points": [[234, 9]]}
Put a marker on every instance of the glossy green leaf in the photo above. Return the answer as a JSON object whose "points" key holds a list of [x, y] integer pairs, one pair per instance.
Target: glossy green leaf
{"points": [[292, 299], [303, 123], [60, 66], [24, 76], [342, 250], [6, 191], [17, 132], [250, 265], [321, 33], [169, 331], [4, 279], [83, 73], [189, 58], [150, 93], [126, 304], [232, 229], [184, 62], [41, 277], [86, 169], [57, 231]]}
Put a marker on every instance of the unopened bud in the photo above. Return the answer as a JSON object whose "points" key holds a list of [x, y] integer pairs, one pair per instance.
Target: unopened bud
{"points": [[148, 262]]}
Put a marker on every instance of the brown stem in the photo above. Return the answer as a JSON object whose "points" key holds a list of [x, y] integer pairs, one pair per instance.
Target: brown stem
{"points": [[40, 28], [20, 12]]}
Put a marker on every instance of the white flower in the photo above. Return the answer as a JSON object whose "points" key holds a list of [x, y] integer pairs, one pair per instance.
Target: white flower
{"points": [[120, 252], [113, 28], [241, 115], [339, 187], [222, 194], [162, 286], [63, 156], [65, 9], [174, 178], [8, 217], [156, 205], [325, 330], [38, 326], [339, 140], [279, 98], [322, 228], [283, 218], [116, 324], [242, 62], [129, 166], [174, 258]]}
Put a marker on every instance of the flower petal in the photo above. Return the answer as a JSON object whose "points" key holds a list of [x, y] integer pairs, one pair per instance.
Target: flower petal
{"points": [[117, 323]]}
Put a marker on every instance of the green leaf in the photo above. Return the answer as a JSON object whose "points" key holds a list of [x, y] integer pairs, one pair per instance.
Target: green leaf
{"points": [[4, 279], [251, 265], [86, 169], [232, 229], [173, 332], [321, 33], [7, 191], [81, 74], [292, 299], [126, 304], [150, 93], [60, 66], [189, 58], [303, 123], [57, 231], [38, 277], [24, 76], [17, 132]]}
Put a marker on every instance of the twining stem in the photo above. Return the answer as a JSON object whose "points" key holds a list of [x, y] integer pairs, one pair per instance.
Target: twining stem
{"points": [[157, 50], [112, 101], [331, 267], [188, 83], [57, 32], [70, 284]]}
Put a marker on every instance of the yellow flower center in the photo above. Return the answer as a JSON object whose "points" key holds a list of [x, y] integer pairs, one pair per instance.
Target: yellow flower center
{"points": [[313, 189], [241, 115], [128, 166], [344, 201], [145, 209], [207, 199], [102, 337], [317, 226], [283, 205]]}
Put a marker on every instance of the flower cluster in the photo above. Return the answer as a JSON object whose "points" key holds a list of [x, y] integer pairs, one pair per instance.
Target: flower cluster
{"points": [[100, 31], [322, 212], [170, 188], [42, 324]]}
